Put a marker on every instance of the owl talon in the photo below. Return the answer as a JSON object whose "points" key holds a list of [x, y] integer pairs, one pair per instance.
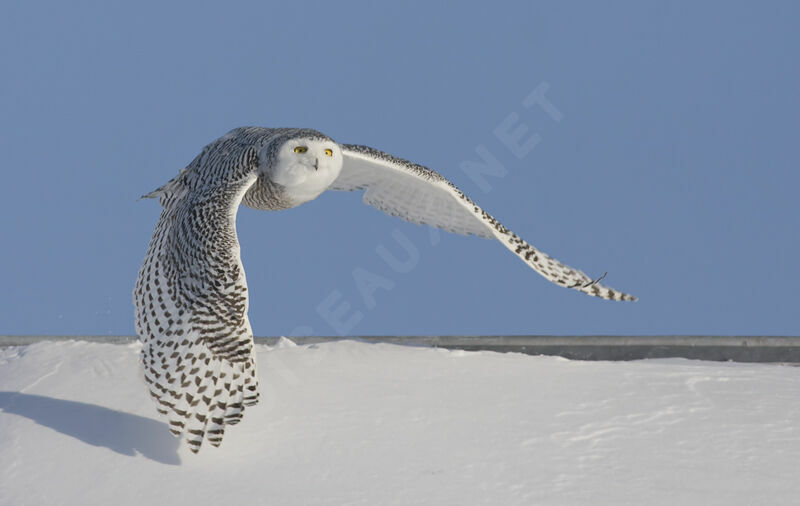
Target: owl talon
{"points": [[592, 283]]}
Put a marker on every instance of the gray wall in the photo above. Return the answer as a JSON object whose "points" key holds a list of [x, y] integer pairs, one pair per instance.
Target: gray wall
{"points": [[780, 349]]}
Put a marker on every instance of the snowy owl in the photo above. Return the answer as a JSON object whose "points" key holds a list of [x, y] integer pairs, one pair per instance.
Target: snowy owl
{"points": [[191, 295]]}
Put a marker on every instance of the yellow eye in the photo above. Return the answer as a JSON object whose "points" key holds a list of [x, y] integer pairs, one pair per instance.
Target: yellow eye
{"points": [[329, 152], [300, 149]]}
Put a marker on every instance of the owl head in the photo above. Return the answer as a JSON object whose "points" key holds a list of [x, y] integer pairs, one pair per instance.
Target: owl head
{"points": [[304, 164]]}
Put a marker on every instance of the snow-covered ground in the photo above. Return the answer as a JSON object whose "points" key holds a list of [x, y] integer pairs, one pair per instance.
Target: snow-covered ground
{"points": [[356, 423]]}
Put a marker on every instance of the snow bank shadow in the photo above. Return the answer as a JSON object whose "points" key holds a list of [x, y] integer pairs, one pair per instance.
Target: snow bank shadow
{"points": [[98, 426]]}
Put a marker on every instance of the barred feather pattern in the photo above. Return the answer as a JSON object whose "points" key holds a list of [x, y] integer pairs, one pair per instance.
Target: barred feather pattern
{"points": [[191, 297]]}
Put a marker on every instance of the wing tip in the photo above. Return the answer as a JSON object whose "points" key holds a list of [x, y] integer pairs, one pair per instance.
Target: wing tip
{"points": [[611, 294], [595, 289]]}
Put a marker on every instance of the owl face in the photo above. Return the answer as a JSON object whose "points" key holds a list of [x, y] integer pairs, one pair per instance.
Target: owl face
{"points": [[306, 167]]}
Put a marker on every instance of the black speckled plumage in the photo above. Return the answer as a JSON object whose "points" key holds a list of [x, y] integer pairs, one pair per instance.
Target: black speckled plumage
{"points": [[191, 297]]}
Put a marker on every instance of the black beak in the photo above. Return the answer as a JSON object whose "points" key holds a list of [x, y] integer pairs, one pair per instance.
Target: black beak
{"points": [[316, 163]]}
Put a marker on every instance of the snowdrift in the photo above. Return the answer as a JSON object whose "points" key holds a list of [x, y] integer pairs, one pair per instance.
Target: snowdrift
{"points": [[356, 423]]}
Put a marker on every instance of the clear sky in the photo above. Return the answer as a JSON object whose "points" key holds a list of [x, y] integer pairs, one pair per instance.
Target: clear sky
{"points": [[668, 157]]}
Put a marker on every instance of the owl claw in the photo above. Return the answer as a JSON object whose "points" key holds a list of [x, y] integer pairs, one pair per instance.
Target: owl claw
{"points": [[577, 284], [587, 285]]}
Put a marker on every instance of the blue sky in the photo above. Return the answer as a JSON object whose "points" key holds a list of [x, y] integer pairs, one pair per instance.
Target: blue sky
{"points": [[672, 162]]}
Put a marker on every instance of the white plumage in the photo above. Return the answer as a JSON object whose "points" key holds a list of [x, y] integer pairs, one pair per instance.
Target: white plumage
{"points": [[191, 294]]}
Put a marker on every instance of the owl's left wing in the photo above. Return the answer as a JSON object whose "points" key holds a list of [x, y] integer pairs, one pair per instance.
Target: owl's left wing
{"points": [[423, 196]]}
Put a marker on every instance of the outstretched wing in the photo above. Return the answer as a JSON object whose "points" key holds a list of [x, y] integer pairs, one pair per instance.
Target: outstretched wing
{"points": [[421, 195], [191, 314]]}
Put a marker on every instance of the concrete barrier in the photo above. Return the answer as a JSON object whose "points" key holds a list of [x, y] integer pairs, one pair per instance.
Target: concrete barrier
{"points": [[781, 349]]}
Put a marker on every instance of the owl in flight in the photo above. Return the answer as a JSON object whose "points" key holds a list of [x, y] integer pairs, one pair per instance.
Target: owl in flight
{"points": [[191, 295]]}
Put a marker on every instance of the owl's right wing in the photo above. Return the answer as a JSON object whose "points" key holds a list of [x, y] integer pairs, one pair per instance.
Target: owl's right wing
{"points": [[420, 195], [191, 314]]}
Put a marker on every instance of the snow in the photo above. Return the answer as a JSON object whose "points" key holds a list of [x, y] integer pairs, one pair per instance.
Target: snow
{"points": [[356, 423]]}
